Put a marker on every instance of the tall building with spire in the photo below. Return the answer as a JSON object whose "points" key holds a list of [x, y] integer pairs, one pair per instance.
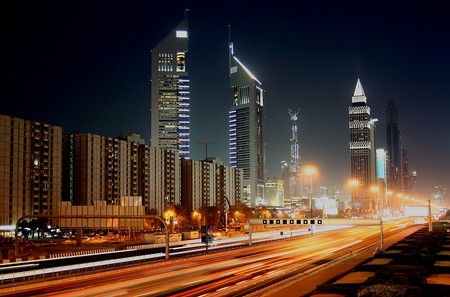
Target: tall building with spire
{"points": [[292, 173], [362, 153], [246, 129], [170, 112]]}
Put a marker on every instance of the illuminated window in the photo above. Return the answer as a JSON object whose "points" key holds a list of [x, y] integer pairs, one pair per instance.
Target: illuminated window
{"points": [[182, 34]]}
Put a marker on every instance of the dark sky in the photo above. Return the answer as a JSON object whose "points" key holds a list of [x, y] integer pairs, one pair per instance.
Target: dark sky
{"points": [[85, 66]]}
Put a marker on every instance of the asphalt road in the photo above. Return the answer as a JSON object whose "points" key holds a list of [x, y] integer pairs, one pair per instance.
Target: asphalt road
{"points": [[271, 269]]}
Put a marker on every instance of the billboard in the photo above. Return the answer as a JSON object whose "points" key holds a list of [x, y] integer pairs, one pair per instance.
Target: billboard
{"points": [[416, 211]]}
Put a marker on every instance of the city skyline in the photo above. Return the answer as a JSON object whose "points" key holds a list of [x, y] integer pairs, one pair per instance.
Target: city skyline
{"points": [[86, 68]]}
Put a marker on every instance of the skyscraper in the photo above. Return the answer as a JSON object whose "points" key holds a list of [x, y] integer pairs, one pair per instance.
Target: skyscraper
{"points": [[394, 149], [170, 92], [246, 129], [362, 152], [292, 171]]}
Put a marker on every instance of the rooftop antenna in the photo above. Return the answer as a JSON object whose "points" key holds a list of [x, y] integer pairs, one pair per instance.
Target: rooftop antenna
{"points": [[206, 142]]}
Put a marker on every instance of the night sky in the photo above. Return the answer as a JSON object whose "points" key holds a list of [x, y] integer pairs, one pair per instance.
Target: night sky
{"points": [[85, 66]]}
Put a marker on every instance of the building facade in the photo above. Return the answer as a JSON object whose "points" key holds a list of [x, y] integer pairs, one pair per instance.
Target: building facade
{"points": [[100, 169], [246, 115], [275, 193], [164, 177], [170, 110], [362, 153], [209, 183], [30, 169]]}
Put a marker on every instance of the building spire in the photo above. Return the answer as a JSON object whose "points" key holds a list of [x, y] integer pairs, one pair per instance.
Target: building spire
{"points": [[359, 91]]}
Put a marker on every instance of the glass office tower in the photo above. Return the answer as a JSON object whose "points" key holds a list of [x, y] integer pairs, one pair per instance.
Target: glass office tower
{"points": [[170, 112], [247, 130]]}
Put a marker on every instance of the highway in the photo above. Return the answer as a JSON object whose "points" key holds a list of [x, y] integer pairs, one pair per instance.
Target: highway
{"points": [[236, 272]]}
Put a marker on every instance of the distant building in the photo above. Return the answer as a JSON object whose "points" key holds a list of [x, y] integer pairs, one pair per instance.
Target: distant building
{"points": [[406, 187], [292, 171], [381, 187], [275, 192], [362, 152], [170, 106], [412, 183], [132, 137], [247, 130], [30, 169], [394, 150], [440, 196], [209, 183]]}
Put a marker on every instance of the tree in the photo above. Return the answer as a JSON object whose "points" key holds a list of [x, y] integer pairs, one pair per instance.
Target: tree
{"points": [[24, 228]]}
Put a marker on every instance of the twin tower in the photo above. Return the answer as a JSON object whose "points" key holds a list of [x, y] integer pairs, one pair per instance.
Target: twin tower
{"points": [[170, 110]]}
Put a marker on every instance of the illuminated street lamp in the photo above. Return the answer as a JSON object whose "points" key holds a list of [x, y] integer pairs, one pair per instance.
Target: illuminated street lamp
{"points": [[197, 217], [170, 214]]}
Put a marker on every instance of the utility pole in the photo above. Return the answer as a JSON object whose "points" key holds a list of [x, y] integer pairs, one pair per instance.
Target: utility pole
{"points": [[206, 142]]}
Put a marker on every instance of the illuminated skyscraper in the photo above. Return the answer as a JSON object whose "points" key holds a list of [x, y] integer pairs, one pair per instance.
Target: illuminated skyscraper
{"points": [[246, 129], [170, 92], [362, 152], [292, 171]]}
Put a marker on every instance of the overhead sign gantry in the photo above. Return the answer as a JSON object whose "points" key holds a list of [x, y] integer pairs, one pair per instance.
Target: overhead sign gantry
{"points": [[304, 222], [315, 222]]}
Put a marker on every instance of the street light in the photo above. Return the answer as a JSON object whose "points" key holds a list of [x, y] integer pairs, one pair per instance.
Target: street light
{"points": [[170, 214]]}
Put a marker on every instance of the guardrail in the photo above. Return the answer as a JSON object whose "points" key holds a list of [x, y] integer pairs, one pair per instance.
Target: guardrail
{"points": [[76, 267]]}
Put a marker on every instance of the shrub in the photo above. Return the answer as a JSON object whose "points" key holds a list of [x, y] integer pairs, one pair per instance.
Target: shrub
{"points": [[382, 291]]}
